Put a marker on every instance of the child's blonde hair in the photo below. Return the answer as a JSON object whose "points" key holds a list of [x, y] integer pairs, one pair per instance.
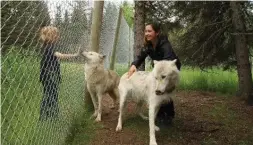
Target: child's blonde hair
{"points": [[49, 34]]}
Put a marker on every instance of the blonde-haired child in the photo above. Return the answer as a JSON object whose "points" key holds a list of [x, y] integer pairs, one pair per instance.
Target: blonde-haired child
{"points": [[50, 75]]}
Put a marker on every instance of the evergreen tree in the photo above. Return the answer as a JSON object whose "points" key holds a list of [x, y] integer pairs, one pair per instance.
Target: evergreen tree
{"points": [[200, 31], [78, 23], [58, 17], [66, 18], [128, 13], [21, 21]]}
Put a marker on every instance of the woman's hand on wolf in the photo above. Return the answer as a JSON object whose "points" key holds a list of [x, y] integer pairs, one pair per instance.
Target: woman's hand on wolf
{"points": [[131, 70]]}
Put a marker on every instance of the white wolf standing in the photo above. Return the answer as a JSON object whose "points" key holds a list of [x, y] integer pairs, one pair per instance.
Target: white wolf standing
{"points": [[152, 87], [99, 81]]}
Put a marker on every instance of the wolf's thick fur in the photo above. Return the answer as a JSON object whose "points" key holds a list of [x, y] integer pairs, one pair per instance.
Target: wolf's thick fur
{"points": [[99, 81], [154, 88]]}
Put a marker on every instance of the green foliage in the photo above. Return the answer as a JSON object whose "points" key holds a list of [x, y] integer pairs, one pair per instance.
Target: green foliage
{"points": [[58, 17], [73, 28], [201, 31], [79, 20], [213, 80], [163, 13], [208, 25], [121, 69], [110, 18], [20, 23], [66, 18], [128, 13]]}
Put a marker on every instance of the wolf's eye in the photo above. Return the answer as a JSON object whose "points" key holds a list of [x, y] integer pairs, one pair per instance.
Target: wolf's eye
{"points": [[90, 53], [163, 77]]}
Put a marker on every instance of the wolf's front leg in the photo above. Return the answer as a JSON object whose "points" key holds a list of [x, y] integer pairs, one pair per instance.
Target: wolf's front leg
{"points": [[98, 119], [152, 126], [119, 125], [94, 101]]}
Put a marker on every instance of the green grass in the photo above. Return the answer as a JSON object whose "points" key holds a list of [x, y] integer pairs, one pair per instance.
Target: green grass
{"points": [[121, 68], [21, 94], [214, 80]]}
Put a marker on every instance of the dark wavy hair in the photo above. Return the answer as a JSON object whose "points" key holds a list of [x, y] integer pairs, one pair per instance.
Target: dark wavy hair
{"points": [[157, 27]]}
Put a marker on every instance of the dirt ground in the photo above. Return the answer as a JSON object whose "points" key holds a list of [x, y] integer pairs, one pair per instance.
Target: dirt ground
{"points": [[201, 119]]}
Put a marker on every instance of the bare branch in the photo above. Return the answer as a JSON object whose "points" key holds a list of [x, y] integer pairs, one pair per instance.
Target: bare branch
{"points": [[241, 33]]}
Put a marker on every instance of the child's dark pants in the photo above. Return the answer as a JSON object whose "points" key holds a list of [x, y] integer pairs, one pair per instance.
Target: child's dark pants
{"points": [[49, 104]]}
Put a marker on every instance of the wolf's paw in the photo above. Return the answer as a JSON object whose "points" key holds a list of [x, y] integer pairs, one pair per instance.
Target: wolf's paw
{"points": [[143, 116], [118, 128], [152, 142], [157, 128], [98, 119], [94, 115]]}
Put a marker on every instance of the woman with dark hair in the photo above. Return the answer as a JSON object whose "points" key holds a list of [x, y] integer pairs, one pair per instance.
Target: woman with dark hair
{"points": [[157, 47]]}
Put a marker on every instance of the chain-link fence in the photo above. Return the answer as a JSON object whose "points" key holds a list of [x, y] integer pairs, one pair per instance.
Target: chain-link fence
{"points": [[29, 115]]}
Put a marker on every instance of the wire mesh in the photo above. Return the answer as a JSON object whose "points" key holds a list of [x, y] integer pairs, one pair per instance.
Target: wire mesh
{"points": [[22, 94]]}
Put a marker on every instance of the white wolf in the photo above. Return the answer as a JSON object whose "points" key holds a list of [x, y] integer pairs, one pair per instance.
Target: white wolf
{"points": [[99, 81], [154, 88]]}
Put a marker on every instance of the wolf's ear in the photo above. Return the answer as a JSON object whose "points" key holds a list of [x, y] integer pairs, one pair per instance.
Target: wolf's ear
{"points": [[155, 62], [174, 61], [102, 56]]}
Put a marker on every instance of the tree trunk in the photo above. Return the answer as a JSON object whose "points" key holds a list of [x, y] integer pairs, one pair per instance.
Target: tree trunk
{"points": [[242, 54], [139, 26], [116, 36], [96, 24], [97, 15]]}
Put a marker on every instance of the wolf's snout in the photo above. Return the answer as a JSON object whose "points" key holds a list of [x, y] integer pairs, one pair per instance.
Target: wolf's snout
{"points": [[158, 92], [84, 53]]}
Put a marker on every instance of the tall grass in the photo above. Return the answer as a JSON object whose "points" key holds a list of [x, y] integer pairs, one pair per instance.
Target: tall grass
{"points": [[214, 80], [21, 94]]}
